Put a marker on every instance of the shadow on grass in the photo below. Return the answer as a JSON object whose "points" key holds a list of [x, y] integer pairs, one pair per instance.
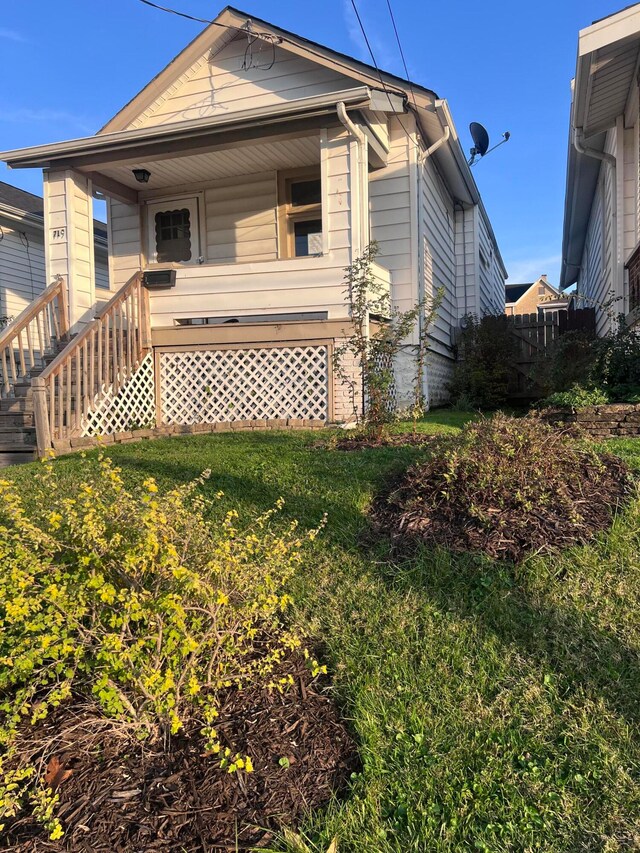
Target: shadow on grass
{"points": [[573, 652]]}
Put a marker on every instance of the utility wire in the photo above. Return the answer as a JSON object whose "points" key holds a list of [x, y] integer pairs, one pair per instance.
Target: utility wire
{"points": [[404, 61], [382, 83], [280, 39]]}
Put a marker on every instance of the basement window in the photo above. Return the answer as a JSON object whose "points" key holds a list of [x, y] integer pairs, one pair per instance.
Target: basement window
{"points": [[300, 213]]}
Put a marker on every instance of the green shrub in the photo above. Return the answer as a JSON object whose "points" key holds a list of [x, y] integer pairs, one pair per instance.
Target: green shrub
{"points": [[616, 358], [624, 393], [486, 351], [134, 601], [576, 397]]}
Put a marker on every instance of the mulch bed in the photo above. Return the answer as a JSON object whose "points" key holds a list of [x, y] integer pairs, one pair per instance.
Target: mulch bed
{"points": [[123, 797], [580, 494], [400, 440]]}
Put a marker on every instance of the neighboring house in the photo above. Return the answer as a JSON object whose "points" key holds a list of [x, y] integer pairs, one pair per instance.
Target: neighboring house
{"points": [[240, 183], [601, 251], [534, 297], [22, 261]]}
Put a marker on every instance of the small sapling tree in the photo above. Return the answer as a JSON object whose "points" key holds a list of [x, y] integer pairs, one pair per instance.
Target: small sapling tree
{"points": [[374, 349]]}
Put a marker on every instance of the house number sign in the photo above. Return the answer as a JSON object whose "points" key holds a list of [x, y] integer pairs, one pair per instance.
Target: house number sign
{"points": [[58, 234]]}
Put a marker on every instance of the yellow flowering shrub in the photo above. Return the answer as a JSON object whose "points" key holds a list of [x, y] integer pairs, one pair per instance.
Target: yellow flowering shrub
{"points": [[136, 599]]}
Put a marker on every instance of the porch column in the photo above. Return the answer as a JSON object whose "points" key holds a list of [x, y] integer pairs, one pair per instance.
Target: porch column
{"points": [[68, 239], [337, 176]]}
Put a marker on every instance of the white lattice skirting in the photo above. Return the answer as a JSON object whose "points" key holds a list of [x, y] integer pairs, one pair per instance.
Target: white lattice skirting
{"points": [[213, 386], [132, 407]]}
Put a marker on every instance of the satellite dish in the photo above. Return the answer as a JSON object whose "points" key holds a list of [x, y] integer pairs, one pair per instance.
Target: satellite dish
{"points": [[480, 141]]}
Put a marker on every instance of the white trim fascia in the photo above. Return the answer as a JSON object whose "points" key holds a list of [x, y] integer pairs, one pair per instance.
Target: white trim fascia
{"points": [[622, 25], [42, 155]]}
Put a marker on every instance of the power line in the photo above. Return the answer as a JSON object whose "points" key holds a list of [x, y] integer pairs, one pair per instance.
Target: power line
{"points": [[280, 39], [404, 61], [241, 30], [382, 83]]}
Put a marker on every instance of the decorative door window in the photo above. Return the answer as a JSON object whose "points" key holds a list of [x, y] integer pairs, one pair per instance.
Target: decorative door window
{"points": [[173, 232]]}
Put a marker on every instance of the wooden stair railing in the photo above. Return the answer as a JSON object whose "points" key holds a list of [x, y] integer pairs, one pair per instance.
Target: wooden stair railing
{"points": [[32, 336], [101, 358]]}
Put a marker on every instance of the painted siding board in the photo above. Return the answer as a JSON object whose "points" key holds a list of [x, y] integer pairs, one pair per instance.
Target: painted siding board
{"points": [[219, 83]]}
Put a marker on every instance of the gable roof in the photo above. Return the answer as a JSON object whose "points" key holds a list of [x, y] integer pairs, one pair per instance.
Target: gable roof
{"points": [[393, 94], [225, 27], [513, 292], [14, 199]]}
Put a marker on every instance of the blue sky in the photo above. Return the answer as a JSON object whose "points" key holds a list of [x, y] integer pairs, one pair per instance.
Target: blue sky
{"points": [[68, 66]]}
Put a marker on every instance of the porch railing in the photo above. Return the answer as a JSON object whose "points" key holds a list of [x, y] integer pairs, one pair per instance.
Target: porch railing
{"points": [[99, 360], [32, 336]]}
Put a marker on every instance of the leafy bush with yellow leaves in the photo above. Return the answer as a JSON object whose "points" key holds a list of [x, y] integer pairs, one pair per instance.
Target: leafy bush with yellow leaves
{"points": [[136, 600]]}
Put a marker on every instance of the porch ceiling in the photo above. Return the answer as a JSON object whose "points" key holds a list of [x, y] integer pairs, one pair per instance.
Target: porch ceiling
{"points": [[260, 156]]}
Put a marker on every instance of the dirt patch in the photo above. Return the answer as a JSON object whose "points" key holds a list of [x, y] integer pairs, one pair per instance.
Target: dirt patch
{"points": [[364, 442], [123, 797], [506, 488]]}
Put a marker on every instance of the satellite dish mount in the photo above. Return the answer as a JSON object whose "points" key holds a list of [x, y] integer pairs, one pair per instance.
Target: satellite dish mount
{"points": [[481, 142]]}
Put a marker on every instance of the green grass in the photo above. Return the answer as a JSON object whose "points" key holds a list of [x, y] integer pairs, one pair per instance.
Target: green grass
{"points": [[496, 709]]}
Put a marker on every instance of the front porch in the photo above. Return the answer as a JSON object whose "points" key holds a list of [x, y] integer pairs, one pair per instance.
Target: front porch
{"points": [[227, 251]]}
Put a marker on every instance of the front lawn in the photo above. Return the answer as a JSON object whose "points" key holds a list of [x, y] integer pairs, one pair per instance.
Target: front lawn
{"points": [[496, 709]]}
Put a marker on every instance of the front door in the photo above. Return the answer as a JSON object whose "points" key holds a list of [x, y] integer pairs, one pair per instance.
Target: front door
{"points": [[174, 231]]}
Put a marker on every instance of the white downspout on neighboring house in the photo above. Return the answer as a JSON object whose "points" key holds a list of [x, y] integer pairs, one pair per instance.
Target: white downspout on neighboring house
{"points": [[617, 272]]}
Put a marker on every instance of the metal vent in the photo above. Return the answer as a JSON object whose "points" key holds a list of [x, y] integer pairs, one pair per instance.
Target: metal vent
{"points": [[159, 279]]}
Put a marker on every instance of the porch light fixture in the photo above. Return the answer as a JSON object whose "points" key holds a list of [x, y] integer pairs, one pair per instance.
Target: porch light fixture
{"points": [[141, 175]]}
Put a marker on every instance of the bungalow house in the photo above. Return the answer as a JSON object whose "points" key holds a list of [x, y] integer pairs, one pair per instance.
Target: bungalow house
{"points": [[534, 297], [601, 239], [240, 182], [22, 265]]}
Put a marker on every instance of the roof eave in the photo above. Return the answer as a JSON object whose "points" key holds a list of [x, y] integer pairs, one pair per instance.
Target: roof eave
{"points": [[45, 156], [583, 171]]}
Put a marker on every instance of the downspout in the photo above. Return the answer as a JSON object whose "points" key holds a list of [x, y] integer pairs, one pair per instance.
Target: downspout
{"points": [[359, 218], [581, 148], [422, 158], [360, 226]]}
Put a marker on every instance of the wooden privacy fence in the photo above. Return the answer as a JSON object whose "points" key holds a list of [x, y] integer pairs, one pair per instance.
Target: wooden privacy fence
{"points": [[98, 362], [34, 335], [534, 334]]}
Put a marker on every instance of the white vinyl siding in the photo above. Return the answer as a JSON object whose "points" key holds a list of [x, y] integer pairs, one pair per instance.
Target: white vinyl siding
{"points": [[22, 275], [237, 290], [125, 242], [68, 213], [466, 271], [219, 84], [438, 259], [240, 219], [390, 202], [595, 282], [630, 190], [491, 280], [336, 174]]}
